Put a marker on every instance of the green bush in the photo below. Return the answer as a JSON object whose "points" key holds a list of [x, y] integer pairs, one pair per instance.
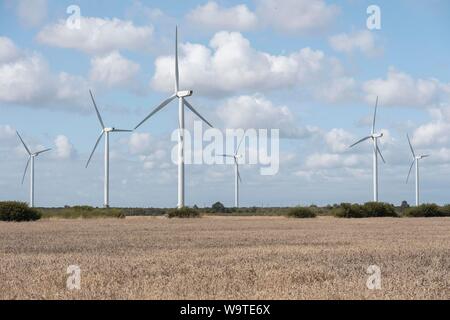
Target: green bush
{"points": [[446, 210], [348, 210], [184, 212], [17, 211], [82, 212], [379, 209], [301, 212], [426, 210]]}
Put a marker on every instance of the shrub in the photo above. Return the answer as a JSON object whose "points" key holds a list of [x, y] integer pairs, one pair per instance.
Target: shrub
{"points": [[82, 212], [301, 212], [184, 212], [425, 210], [446, 210], [348, 210], [379, 209], [17, 211], [218, 207]]}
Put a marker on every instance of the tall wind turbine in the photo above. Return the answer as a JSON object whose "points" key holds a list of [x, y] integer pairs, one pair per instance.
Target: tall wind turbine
{"points": [[237, 176], [416, 159], [105, 131], [376, 150], [31, 157], [181, 95]]}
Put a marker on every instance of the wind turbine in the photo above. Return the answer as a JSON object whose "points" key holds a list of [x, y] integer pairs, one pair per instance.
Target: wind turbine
{"points": [[31, 157], [237, 176], [376, 150], [416, 159], [181, 95], [105, 131]]}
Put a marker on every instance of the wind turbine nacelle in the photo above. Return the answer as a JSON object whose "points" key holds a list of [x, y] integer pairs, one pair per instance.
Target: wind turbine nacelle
{"points": [[377, 135], [184, 93]]}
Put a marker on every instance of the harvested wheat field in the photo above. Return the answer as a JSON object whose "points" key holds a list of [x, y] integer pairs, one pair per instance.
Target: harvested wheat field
{"points": [[226, 258]]}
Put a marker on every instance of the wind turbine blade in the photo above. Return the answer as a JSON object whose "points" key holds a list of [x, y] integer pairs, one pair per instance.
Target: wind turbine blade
{"points": [[239, 144], [379, 152], [177, 75], [410, 168], [45, 150], [95, 147], [425, 156], [195, 111], [374, 116], [238, 174], [26, 167], [410, 146], [359, 141], [121, 130], [225, 155], [26, 148], [96, 110], [162, 105]]}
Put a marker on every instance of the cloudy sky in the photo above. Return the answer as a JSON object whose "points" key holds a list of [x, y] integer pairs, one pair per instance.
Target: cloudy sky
{"points": [[309, 68]]}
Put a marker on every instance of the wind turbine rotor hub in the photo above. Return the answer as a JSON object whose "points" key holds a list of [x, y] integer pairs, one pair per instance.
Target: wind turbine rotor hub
{"points": [[377, 135]]}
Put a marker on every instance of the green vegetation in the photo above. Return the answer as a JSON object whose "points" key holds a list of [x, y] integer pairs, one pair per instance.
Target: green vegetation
{"points": [[17, 211], [301, 212], [428, 210], [183, 213], [84, 212], [367, 210]]}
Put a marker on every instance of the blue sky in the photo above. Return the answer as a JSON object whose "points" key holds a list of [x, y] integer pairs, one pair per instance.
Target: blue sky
{"points": [[308, 68]]}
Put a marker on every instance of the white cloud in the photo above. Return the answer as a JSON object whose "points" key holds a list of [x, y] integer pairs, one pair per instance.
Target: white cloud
{"points": [[235, 66], [98, 36], [363, 41], [338, 90], [297, 16], [6, 132], [338, 140], [27, 80], [259, 113], [330, 160], [8, 50], [64, 149], [31, 13], [435, 132], [113, 70], [401, 89], [139, 143], [212, 16]]}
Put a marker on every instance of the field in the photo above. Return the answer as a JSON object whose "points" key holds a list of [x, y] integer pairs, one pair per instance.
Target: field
{"points": [[226, 258]]}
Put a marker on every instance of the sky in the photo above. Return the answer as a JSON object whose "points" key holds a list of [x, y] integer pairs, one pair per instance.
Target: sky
{"points": [[311, 69]]}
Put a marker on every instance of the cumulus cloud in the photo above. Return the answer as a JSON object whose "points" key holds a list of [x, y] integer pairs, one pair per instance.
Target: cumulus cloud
{"points": [[213, 16], [338, 90], [435, 132], [8, 50], [97, 35], [113, 70], [330, 160], [363, 41], [231, 65], [64, 149], [27, 80], [297, 16], [31, 13], [259, 113], [139, 143], [338, 140], [401, 89], [7, 132]]}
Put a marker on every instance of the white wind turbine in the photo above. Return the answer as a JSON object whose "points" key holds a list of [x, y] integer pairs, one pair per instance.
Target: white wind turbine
{"points": [[416, 159], [237, 176], [105, 131], [181, 95], [31, 157], [374, 136]]}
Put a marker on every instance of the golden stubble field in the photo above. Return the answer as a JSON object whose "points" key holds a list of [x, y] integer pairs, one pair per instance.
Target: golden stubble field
{"points": [[226, 258]]}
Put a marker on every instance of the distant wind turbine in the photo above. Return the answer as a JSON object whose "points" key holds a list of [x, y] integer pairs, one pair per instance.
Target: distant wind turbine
{"points": [[105, 131], [416, 159], [181, 95], [31, 157], [237, 176], [374, 136]]}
